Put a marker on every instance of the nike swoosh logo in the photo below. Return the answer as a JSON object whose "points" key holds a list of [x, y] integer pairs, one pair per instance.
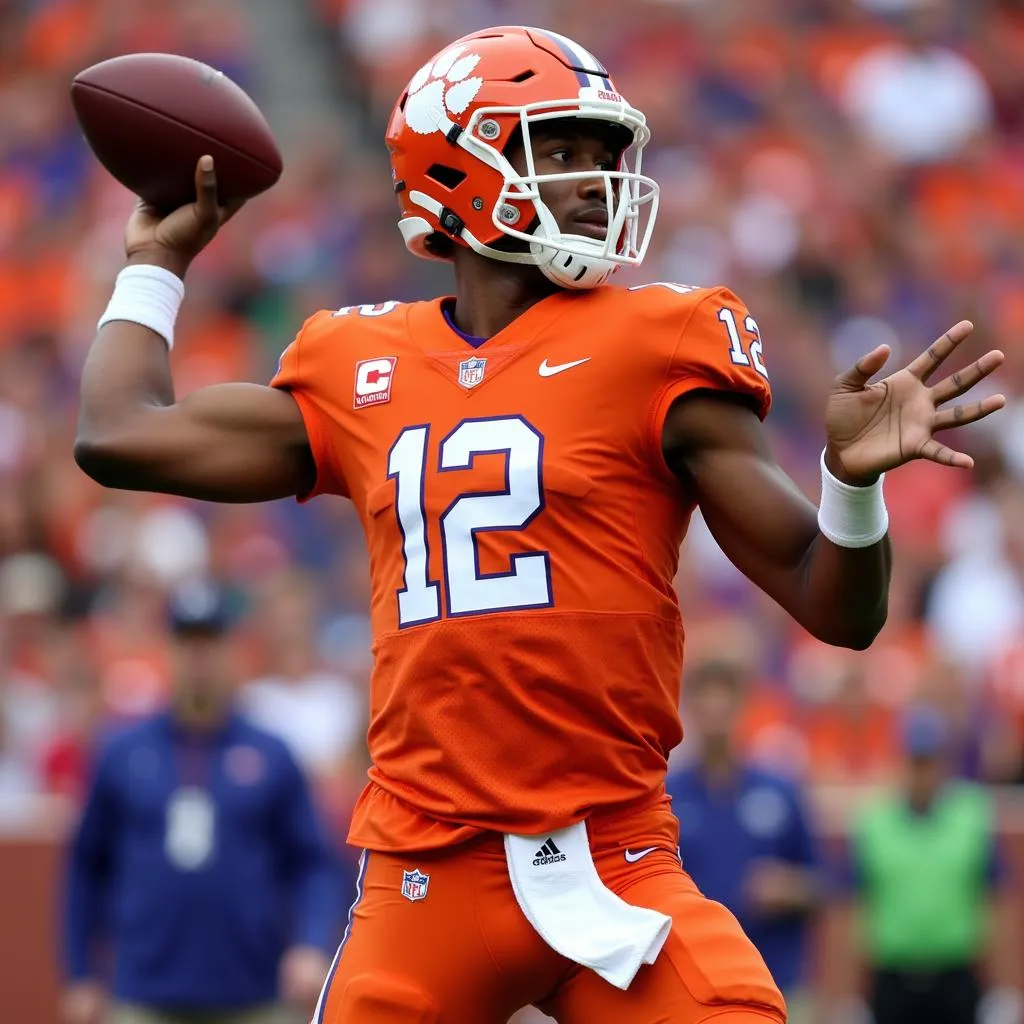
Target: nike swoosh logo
{"points": [[632, 858], [550, 371]]}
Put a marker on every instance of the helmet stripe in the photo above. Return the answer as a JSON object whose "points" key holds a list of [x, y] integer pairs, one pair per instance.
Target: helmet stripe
{"points": [[590, 72], [596, 73], [582, 77], [583, 58]]}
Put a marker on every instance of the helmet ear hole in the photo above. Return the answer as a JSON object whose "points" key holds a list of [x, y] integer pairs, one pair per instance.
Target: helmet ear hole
{"points": [[449, 177], [439, 246]]}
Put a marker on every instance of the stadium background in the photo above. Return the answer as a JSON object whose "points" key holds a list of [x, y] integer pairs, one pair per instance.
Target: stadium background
{"points": [[849, 199]]}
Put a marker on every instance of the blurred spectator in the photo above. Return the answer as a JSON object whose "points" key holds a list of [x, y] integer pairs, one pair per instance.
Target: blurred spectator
{"points": [[19, 780], [1003, 745], [200, 881], [849, 729], [947, 686], [30, 586], [917, 99], [932, 892], [745, 837], [975, 605], [72, 675], [319, 714]]}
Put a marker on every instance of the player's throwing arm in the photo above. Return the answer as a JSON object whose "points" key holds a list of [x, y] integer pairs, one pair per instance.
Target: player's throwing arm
{"points": [[157, 122]]}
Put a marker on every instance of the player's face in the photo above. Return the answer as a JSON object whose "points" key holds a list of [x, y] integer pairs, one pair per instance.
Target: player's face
{"points": [[571, 145]]}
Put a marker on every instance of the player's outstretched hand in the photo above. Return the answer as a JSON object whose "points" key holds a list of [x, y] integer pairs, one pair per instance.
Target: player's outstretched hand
{"points": [[877, 426], [174, 241]]}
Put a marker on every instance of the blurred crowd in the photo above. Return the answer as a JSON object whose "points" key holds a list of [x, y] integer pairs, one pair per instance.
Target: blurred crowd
{"points": [[84, 574], [852, 168]]}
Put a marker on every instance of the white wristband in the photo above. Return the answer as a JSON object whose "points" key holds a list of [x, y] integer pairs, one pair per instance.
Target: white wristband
{"points": [[852, 517], [146, 295]]}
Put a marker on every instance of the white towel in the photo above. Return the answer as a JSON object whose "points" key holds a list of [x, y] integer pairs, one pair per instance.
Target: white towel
{"points": [[561, 894]]}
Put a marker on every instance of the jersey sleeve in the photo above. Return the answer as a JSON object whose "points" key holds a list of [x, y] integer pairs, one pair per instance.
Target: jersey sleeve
{"points": [[717, 348], [304, 372]]}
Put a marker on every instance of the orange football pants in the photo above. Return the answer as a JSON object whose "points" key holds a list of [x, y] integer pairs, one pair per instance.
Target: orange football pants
{"points": [[464, 953]]}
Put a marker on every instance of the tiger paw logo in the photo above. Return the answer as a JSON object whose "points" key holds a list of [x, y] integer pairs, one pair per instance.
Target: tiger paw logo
{"points": [[444, 86]]}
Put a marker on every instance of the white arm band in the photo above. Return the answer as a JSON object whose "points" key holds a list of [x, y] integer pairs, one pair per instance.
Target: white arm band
{"points": [[852, 517], [146, 295]]}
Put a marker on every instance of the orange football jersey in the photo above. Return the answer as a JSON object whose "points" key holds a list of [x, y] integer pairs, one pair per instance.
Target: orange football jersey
{"points": [[523, 533]]}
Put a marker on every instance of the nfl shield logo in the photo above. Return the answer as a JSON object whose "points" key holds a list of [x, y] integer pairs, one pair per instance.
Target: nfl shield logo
{"points": [[471, 371], [414, 885]]}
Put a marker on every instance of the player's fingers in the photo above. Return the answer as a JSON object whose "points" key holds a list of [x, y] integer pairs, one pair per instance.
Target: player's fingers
{"points": [[935, 451], [206, 192], [957, 383], [864, 369], [959, 415], [938, 351]]}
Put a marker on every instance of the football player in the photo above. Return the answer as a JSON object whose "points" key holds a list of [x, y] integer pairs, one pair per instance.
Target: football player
{"points": [[524, 456]]}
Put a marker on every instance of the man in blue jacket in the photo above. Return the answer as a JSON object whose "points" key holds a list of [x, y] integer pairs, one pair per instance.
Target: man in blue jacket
{"points": [[201, 888], [745, 837]]}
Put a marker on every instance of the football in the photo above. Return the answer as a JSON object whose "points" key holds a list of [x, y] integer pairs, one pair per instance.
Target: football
{"points": [[149, 117]]}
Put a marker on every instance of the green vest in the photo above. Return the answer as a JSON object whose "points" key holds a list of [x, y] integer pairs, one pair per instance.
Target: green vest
{"points": [[924, 878]]}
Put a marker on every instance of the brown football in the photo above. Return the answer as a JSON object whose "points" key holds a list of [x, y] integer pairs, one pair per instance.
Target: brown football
{"points": [[149, 117]]}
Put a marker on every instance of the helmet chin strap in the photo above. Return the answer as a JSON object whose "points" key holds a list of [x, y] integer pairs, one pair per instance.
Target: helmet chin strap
{"points": [[566, 269], [571, 270]]}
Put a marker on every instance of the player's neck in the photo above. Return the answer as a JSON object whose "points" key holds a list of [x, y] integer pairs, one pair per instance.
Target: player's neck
{"points": [[489, 295]]}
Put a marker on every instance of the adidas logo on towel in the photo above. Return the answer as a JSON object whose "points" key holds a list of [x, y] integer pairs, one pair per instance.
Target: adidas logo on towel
{"points": [[548, 854]]}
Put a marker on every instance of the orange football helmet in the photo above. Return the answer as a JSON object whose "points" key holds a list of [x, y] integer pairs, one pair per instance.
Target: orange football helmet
{"points": [[448, 133]]}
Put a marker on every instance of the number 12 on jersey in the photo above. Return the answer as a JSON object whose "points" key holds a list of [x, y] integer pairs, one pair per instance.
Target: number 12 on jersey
{"points": [[467, 591], [736, 353]]}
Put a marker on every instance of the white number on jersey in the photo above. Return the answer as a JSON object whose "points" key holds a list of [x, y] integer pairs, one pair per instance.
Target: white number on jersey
{"points": [[736, 353], [467, 591], [420, 600]]}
